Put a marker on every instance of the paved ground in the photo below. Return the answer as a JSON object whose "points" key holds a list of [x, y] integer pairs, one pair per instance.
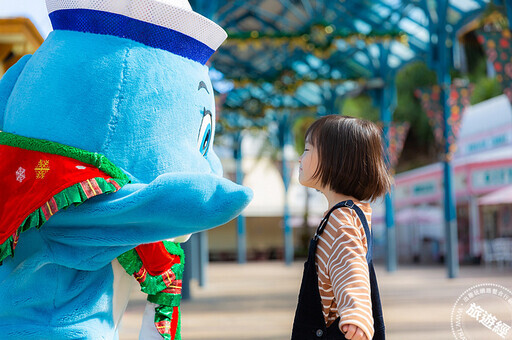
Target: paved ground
{"points": [[257, 301]]}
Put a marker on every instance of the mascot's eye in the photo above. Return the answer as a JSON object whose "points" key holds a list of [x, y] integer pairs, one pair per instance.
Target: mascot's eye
{"points": [[205, 132]]}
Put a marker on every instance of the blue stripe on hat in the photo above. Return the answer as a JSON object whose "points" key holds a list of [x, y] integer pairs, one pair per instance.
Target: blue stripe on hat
{"points": [[99, 22]]}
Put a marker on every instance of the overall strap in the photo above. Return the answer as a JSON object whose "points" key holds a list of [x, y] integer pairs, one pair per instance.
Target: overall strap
{"points": [[349, 204], [324, 221]]}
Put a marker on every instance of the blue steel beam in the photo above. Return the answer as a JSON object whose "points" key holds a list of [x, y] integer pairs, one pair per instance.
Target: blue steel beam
{"points": [[284, 127], [267, 18], [508, 7], [314, 11], [203, 258], [387, 96], [187, 271], [241, 227], [359, 11], [227, 10], [289, 6], [444, 80], [313, 15]]}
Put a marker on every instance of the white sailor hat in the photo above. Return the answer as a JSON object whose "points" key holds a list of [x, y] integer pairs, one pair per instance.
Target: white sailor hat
{"points": [[170, 25]]}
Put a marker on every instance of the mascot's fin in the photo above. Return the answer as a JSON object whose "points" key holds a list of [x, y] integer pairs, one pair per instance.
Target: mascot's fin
{"points": [[159, 213], [7, 84]]}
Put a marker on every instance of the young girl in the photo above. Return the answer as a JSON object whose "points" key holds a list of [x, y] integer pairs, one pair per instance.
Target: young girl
{"points": [[339, 298]]}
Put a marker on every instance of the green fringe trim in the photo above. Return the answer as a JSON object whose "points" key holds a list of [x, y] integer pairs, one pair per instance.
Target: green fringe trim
{"points": [[95, 159], [74, 195], [177, 336], [165, 299], [154, 285], [130, 261], [164, 313]]}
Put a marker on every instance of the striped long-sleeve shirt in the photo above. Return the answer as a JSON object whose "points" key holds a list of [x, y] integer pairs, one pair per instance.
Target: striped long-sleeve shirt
{"points": [[343, 277]]}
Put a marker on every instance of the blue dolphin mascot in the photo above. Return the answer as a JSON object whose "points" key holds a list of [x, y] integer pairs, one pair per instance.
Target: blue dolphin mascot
{"points": [[106, 144]]}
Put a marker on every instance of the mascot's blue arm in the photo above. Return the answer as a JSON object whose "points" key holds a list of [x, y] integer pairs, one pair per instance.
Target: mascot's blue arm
{"points": [[7, 84], [173, 204]]}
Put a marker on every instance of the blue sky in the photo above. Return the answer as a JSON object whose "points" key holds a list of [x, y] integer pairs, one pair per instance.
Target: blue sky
{"points": [[35, 10]]}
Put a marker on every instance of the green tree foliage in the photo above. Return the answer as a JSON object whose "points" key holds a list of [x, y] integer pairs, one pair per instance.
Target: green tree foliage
{"points": [[485, 88], [411, 77], [300, 127], [361, 106]]}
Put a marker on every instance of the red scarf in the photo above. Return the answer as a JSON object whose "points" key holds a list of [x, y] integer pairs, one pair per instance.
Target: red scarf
{"points": [[29, 180]]}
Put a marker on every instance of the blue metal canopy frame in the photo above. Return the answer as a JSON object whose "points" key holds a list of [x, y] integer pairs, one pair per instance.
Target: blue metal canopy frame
{"points": [[431, 28]]}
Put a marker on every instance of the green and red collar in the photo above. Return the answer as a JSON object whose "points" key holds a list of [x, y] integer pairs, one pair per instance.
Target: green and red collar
{"points": [[40, 177]]}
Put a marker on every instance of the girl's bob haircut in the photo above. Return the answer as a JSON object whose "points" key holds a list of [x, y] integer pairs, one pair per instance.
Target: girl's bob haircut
{"points": [[350, 157]]}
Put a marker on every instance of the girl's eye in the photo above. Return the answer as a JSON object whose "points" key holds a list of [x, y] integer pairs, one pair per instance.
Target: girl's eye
{"points": [[205, 133]]}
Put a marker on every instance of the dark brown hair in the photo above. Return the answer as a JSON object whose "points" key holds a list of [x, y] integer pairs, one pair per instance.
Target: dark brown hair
{"points": [[350, 157]]}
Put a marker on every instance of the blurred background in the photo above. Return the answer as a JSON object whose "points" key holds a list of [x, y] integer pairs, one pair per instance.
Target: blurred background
{"points": [[435, 75]]}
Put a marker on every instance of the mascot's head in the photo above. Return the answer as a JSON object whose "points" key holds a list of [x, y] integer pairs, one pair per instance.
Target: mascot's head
{"points": [[124, 78]]}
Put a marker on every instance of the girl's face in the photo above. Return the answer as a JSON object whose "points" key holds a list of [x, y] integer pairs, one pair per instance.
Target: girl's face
{"points": [[307, 166]]}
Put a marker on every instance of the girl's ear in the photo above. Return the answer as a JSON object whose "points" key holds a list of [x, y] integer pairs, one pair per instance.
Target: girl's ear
{"points": [[7, 85]]}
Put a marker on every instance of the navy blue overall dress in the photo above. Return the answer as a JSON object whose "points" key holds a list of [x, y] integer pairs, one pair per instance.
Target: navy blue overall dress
{"points": [[309, 323]]}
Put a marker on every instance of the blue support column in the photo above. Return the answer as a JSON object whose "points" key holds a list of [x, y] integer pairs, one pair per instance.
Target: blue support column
{"points": [[194, 259], [508, 6], [391, 256], [187, 272], [284, 139], [330, 104], [444, 80], [452, 244], [288, 236], [203, 258], [387, 105], [240, 221]]}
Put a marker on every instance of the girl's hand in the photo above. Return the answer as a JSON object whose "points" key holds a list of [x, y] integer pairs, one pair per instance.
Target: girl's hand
{"points": [[354, 333]]}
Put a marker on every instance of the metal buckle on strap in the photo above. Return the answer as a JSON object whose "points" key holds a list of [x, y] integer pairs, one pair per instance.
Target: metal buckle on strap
{"points": [[350, 204]]}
